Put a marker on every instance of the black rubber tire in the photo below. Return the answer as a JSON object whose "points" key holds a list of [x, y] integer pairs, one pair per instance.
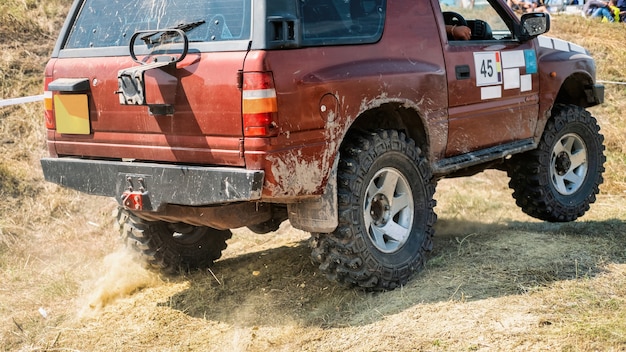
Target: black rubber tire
{"points": [[350, 255], [172, 247], [557, 182]]}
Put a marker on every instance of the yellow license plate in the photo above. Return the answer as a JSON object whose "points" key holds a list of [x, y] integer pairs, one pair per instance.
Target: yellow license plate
{"points": [[72, 113]]}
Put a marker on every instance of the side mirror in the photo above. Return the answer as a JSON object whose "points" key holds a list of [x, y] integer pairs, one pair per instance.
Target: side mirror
{"points": [[532, 25]]}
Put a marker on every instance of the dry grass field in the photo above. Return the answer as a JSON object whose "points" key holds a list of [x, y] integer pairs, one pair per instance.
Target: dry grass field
{"points": [[496, 280]]}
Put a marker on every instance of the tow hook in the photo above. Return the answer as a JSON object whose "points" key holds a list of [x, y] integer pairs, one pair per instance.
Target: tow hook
{"points": [[135, 199], [132, 200]]}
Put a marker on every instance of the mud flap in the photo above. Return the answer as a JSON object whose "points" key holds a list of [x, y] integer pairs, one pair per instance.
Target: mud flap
{"points": [[319, 215]]}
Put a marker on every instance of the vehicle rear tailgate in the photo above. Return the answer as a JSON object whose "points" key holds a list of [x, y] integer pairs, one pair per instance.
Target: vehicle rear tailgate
{"points": [[205, 127]]}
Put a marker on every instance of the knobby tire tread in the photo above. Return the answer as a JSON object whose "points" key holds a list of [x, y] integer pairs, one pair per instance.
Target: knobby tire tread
{"points": [[343, 255], [529, 172], [145, 238]]}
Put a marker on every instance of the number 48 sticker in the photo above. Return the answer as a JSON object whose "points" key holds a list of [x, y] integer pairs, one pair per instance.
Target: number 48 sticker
{"points": [[488, 68]]}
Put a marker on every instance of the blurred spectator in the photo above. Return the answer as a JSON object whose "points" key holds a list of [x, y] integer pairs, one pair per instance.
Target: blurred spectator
{"points": [[621, 5], [468, 4], [525, 6], [519, 5], [539, 6], [614, 11], [598, 9]]}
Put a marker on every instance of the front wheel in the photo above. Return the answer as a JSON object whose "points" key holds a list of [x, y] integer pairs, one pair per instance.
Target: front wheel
{"points": [[560, 179], [386, 216], [172, 247]]}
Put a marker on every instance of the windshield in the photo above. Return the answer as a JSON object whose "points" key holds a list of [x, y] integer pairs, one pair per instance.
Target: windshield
{"points": [[106, 23]]}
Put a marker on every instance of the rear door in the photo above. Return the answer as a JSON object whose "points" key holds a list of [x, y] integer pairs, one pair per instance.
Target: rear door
{"points": [[202, 122], [492, 80]]}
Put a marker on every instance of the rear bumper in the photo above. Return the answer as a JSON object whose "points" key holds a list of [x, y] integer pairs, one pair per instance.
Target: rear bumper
{"points": [[161, 184]]}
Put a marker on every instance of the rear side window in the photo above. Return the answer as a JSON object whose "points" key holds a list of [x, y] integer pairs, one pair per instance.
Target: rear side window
{"points": [[107, 23], [342, 21]]}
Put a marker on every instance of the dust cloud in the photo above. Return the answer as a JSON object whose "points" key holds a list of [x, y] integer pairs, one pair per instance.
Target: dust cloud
{"points": [[121, 275]]}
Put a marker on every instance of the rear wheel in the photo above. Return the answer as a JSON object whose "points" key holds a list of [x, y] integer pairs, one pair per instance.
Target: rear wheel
{"points": [[386, 216], [172, 247], [558, 180]]}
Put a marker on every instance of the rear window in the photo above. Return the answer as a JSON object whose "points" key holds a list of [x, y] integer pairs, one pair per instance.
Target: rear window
{"points": [[342, 21], [109, 23]]}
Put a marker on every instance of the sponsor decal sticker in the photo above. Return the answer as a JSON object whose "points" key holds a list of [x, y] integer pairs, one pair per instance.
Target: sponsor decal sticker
{"points": [[531, 61]]}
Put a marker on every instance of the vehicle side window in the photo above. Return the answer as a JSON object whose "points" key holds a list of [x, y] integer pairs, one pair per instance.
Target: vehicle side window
{"points": [[107, 23], [484, 21], [327, 22]]}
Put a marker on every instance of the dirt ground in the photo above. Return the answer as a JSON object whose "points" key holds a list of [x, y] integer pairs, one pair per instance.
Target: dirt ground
{"points": [[495, 281]]}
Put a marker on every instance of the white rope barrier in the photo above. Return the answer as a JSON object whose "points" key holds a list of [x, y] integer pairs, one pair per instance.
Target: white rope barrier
{"points": [[612, 82], [23, 100]]}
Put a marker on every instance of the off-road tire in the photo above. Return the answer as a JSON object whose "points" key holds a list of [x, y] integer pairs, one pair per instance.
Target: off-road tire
{"points": [[560, 179], [360, 252], [171, 248]]}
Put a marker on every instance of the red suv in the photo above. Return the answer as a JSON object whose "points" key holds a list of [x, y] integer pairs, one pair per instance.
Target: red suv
{"points": [[200, 116]]}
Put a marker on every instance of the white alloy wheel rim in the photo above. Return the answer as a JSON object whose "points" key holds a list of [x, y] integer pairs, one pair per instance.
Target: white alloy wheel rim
{"points": [[388, 210], [568, 166]]}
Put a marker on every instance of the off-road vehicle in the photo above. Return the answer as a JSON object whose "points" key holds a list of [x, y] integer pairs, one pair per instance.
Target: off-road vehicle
{"points": [[201, 116]]}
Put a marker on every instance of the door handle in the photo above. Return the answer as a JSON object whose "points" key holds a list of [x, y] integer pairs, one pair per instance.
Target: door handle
{"points": [[462, 72]]}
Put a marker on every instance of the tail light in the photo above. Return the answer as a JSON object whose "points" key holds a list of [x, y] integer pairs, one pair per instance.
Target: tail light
{"points": [[48, 105], [259, 105]]}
